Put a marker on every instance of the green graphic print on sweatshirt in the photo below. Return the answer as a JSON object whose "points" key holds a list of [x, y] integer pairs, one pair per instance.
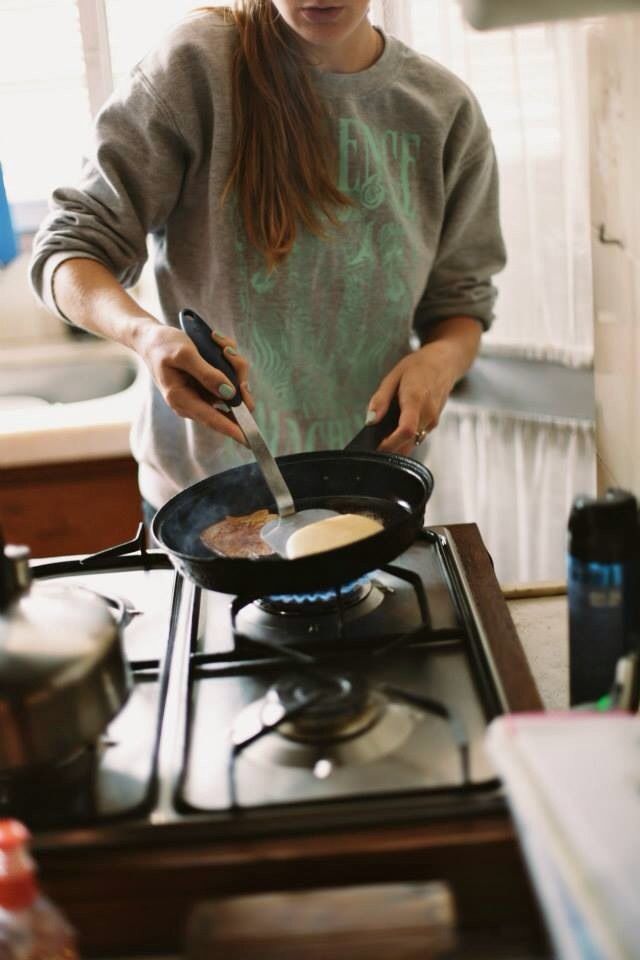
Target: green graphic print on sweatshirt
{"points": [[363, 267]]}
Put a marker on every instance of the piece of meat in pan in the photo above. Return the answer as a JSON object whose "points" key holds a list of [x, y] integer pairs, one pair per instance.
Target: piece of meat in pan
{"points": [[239, 536]]}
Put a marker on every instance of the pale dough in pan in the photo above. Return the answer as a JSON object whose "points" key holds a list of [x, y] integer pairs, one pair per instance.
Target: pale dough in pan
{"points": [[331, 533]]}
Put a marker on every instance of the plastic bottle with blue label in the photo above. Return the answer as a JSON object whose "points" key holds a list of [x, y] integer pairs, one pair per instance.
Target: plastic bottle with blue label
{"points": [[602, 586]]}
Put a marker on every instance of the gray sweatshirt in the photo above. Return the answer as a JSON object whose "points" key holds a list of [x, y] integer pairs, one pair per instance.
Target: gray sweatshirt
{"points": [[420, 243]]}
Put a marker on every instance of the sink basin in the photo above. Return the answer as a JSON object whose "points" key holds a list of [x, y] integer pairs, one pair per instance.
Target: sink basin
{"points": [[64, 375], [67, 401]]}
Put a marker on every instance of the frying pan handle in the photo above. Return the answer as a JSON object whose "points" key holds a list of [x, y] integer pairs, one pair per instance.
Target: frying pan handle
{"points": [[369, 438], [200, 333]]}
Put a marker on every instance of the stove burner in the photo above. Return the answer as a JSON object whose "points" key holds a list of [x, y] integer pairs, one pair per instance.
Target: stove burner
{"points": [[326, 725], [322, 708], [322, 600]]}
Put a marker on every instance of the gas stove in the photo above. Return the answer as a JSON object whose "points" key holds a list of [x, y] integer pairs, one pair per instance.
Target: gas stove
{"points": [[287, 742], [361, 706]]}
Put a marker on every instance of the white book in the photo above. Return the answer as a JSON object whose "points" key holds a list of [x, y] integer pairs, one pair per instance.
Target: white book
{"points": [[573, 785]]}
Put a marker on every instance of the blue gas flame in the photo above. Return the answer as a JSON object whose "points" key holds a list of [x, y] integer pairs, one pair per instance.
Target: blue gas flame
{"points": [[321, 596]]}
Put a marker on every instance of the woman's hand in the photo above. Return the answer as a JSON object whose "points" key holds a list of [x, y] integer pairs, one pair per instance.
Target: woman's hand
{"points": [[423, 381], [188, 384]]}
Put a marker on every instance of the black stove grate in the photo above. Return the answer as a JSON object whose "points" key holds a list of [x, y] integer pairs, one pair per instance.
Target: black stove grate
{"points": [[250, 650], [255, 658]]}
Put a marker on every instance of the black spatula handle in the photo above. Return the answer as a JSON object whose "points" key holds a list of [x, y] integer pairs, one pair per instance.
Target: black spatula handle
{"points": [[200, 333]]}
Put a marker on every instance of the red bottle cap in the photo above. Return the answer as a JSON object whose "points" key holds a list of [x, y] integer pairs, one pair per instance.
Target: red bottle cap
{"points": [[13, 834], [18, 887]]}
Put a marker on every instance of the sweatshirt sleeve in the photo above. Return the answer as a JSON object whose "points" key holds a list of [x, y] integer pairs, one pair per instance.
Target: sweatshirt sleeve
{"points": [[470, 249], [128, 186]]}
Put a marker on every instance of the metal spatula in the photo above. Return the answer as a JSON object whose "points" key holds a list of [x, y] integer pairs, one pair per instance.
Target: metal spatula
{"points": [[277, 532]]}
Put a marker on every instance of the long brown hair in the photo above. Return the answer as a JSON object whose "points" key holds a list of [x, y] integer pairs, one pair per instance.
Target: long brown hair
{"points": [[283, 167]]}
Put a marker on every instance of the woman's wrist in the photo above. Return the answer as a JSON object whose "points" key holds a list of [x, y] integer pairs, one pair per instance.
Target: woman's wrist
{"points": [[136, 330], [455, 341]]}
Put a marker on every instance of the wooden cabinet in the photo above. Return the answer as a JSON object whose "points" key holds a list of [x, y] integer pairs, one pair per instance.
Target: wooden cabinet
{"points": [[75, 507], [129, 900]]}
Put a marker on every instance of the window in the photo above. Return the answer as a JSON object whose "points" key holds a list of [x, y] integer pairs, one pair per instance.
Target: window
{"points": [[136, 25], [58, 61], [531, 83], [44, 103]]}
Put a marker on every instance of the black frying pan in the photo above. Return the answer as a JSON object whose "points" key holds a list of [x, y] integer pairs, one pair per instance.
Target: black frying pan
{"points": [[392, 488]]}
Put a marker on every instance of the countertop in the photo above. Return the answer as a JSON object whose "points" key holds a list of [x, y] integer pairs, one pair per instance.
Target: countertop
{"points": [[540, 615]]}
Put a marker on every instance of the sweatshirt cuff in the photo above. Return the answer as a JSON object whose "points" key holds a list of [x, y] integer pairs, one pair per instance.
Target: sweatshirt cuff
{"points": [[49, 268]]}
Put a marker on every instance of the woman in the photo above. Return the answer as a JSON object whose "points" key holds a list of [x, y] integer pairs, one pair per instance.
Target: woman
{"points": [[314, 189]]}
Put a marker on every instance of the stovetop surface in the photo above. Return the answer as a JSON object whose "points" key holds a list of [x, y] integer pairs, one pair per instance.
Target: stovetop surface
{"points": [[248, 718]]}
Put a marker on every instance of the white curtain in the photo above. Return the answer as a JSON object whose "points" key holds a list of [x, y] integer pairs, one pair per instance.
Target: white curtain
{"points": [[515, 477], [531, 83]]}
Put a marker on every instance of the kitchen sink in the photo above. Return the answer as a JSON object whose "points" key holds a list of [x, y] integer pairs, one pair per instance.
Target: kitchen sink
{"points": [[63, 373]]}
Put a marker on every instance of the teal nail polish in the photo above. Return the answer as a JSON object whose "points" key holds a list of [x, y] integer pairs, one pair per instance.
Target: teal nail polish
{"points": [[231, 351], [371, 418], [226, 390]]}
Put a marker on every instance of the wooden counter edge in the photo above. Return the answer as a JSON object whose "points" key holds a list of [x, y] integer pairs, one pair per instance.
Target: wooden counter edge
{"points": [[507, 652]]}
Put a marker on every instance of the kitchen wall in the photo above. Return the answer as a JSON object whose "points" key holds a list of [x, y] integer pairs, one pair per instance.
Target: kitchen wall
{"points": [[614, 95], [22, 319]]}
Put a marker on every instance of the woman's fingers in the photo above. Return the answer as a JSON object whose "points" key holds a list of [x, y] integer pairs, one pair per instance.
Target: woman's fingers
{"points": [[421, 396], [223, 340], [403, 438], [379, 402], [187, 403], [399, 381], [240, 364], [188, 384], [212, 379], [427, 377], [247, 396]]}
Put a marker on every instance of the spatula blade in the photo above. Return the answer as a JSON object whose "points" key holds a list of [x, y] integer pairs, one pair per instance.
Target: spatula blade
{"points": [[277, 532]]}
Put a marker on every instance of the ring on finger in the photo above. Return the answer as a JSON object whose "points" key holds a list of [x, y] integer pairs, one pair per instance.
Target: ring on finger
{"points": [[420, 435]]}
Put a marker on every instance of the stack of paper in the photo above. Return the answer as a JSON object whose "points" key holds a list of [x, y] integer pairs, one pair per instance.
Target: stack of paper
{"points": [[573, 785]]}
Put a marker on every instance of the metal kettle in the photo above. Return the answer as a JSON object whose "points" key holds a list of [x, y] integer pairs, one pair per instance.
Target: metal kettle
{"points": [[63, 672]]}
